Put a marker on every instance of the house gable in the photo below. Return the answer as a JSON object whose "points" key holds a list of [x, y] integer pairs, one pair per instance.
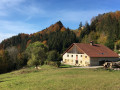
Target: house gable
{"points": [[75, 50]]}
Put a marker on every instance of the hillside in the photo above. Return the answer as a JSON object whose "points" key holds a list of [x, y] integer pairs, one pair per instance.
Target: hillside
{"points": [[51, 78], [51, 35], [103, 29], [53, 28], [56, 38]]}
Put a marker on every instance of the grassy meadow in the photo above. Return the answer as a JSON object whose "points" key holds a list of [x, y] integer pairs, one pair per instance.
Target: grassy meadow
{"points": [[51, 78]]}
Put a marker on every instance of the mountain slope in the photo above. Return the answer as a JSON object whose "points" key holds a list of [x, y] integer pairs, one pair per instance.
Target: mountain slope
{"points": [[57, 26], [104, 29], [49, 36]]}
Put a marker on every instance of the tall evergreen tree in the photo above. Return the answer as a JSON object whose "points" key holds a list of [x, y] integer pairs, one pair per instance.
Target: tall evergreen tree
{"points": [[80, 26]]}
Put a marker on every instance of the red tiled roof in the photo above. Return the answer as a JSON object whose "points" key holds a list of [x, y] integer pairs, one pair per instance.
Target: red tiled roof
{"points": [[95, 50]]}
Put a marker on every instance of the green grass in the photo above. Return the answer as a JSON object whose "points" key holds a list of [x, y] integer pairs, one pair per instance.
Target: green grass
{"points": [[51, 78], [66, 66]]}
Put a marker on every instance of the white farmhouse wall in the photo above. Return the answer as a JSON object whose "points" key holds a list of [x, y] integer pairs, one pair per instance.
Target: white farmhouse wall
{"points": [[83, 59]]}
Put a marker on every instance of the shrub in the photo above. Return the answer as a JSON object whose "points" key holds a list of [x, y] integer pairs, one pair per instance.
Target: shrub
{"points": [[53, 63]]}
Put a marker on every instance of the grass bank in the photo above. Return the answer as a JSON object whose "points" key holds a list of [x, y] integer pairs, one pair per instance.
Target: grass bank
{"points": [[51, 78]]}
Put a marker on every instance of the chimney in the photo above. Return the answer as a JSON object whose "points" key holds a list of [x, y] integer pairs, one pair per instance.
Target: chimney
{"points": [[91, 43]]}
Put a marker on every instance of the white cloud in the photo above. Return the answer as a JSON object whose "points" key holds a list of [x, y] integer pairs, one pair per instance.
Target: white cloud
{"points": [[3, 13], [5, 36], [10, 28], [9, 3], [31, 11], [17, 27], [20, 7]]}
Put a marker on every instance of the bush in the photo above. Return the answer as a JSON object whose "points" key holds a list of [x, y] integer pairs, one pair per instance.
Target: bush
{"points": [[53, 63], [53, 56]]}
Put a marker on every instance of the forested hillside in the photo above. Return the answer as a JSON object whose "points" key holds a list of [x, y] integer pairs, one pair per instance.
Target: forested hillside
{"points": [[24, 49], [57, 37], [103, 29]]}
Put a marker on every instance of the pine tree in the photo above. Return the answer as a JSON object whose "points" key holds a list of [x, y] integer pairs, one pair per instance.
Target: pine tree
{"points": [[80, 26]]}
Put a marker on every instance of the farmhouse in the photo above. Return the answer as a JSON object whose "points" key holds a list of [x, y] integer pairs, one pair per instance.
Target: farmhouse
{"points": [[81, 54]]}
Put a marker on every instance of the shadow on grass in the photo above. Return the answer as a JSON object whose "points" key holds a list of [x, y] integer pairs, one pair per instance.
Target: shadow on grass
{"points": [[1, 81], [4, 81], [66, 66]]}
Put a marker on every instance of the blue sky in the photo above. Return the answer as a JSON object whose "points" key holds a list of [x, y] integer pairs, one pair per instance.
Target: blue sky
{"points": [[29, 16]]}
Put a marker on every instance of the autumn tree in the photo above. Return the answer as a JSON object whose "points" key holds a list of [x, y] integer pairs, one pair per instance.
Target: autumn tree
{"points": [[36, 53], [4, 61], [13, 53]]}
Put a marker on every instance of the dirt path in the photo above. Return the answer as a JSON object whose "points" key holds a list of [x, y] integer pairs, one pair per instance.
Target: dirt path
{"points": [[89, 67]]}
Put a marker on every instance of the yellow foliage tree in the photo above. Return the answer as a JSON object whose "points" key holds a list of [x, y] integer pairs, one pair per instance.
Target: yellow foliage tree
{"points": [[102, 39]]}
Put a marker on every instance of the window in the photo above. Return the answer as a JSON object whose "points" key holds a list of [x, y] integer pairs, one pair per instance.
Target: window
{"points": [[76, 61], [80, 61], [81, 55], [102, 53], [71, 55], [85, 56], [67, 55]]}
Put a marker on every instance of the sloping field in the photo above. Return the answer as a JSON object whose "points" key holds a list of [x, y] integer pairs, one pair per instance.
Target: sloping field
{"points": [[51, 78]]}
